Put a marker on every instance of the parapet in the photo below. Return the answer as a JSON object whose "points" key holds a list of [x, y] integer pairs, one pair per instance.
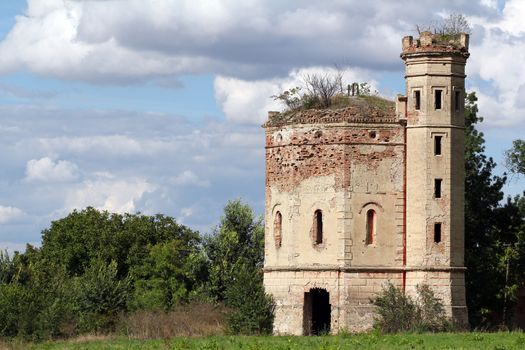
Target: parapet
{"points": [[429, 43]]}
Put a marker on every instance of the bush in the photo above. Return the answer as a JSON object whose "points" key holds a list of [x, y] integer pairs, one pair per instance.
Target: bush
{"points": [[100, 296], [397, 312], [252, 309]]}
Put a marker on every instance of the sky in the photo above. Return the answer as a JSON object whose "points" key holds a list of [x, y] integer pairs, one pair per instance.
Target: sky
{"points": [[156, 106]]}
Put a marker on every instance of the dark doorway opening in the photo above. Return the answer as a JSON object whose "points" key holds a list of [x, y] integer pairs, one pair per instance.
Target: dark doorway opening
{"points": [[316, 312]]}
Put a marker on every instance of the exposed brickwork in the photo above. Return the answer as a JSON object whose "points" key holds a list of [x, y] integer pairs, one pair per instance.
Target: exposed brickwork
{"points": [[310, 151]]}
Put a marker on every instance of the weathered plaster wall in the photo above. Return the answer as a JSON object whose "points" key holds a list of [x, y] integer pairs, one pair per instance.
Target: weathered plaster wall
{"points": [[342, 170]]}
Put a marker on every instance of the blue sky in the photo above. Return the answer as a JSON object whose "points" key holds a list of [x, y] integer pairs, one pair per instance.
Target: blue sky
{"points": [[156, 106]]}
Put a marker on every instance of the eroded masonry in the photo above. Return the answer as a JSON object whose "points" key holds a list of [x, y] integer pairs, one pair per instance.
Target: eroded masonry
{"points": [[369, 193]]}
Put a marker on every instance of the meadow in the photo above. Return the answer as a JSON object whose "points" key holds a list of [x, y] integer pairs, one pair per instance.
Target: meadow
{"points": [[492, 341]]}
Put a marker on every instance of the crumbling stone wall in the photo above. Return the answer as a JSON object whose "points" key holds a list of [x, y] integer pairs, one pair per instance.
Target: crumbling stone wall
{"points": [[342, 169]]}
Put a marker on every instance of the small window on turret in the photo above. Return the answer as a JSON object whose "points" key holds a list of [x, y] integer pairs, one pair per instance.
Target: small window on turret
{"points": [[457, 97], [437, 145], [437, 188], [437, 232], [438, 95], [318, 227], [417, 100]]}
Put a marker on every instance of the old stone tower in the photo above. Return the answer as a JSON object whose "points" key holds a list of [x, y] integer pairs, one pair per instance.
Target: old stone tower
{"points": [[369, 193]]}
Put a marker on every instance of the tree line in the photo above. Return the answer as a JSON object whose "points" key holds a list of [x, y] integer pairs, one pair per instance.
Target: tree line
{"points": [[94, 266]]}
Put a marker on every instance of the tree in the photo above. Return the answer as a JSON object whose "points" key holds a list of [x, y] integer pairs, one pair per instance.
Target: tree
{"points": [[515, 157], [161, 281], [447, 28], [240, 234], [482, 196], [322, 87], [89, 235], [100, 296], [494, 233], [236, 255]]}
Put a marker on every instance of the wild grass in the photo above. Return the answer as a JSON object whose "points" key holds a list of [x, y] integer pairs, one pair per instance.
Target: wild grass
{"points": [[185, 321], [466, 341]]}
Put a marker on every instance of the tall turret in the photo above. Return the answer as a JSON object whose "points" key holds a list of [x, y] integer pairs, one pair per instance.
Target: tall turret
{"points": [[435, 176]]}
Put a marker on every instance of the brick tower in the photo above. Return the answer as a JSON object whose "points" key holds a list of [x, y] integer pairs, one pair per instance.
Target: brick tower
{"points": [[435, 85], [369, 193]]}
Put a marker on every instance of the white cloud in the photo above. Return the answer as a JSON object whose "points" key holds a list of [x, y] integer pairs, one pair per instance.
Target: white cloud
{"points": [[189, 178], [45, 169], [113, 195], [8, 214], [245, 101], [497, 59], [12, 247], [120, 41]]}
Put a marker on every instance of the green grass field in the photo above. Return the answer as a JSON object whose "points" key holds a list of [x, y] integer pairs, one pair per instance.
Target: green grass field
{"points": [[482, 341]]}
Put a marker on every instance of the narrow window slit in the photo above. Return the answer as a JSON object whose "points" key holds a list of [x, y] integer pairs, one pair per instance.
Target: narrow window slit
{"points": [[437, 232], [417, 100], [438, 95], [318, 227], [370, 226], [437, 188], [457, 101], [437, 145], [277, 228]]}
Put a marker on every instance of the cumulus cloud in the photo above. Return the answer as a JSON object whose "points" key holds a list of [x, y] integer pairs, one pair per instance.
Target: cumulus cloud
{"points": [[113, 195], [246, 101], [8, 214], [498, 59], [46, 169], [119, 41], [189, 178]]}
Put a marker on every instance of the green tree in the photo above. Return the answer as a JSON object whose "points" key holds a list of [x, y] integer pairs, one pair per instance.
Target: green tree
{"points": [[162, 281], [252, 307], [99, 296], [236, 255], [88, 235], [515, 157], [494, 233], [483, 192], [240, 234]]}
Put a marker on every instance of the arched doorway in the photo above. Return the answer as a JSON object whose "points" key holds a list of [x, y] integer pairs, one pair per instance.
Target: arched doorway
{"points": [[316, 312]]}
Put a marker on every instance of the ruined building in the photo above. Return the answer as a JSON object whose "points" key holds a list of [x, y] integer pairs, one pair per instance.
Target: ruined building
{"points": [[369, 193]]}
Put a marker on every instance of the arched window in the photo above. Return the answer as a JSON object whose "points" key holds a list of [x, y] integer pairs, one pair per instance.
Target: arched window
{"points": [[370, 226], [318, 227], [277, 227]]}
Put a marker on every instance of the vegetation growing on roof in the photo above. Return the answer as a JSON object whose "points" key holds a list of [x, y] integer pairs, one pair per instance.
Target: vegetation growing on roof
{"points": [[447, 30]]}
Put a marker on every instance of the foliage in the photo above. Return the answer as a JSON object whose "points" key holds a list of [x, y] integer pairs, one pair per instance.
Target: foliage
{"points": [[494, 234], [323, 87], [161, 281], [398, 312], [291, 98], [320, 90], [449, 27], [515, 157], [94, 267], [88, 235], [252, 307], [236, 253], [100, 295], [239, 235]]}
